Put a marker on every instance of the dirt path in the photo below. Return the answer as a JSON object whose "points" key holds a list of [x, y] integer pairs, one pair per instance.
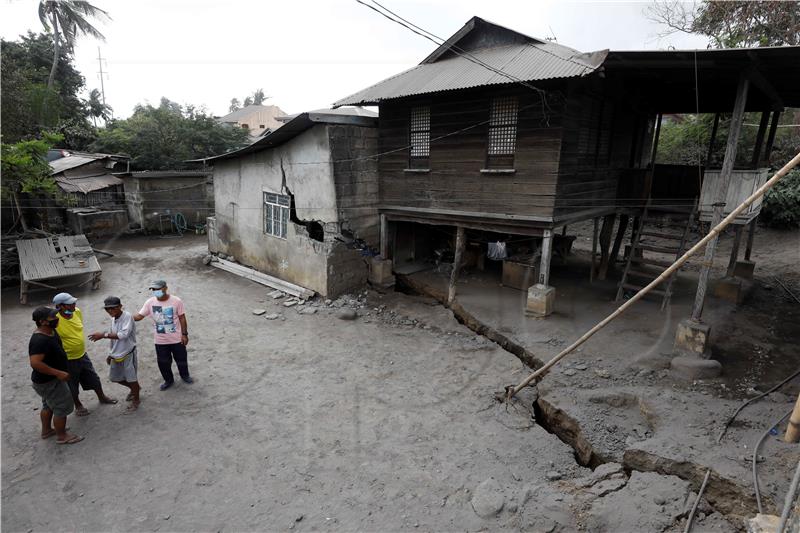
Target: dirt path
{"points": [[307, 423]]}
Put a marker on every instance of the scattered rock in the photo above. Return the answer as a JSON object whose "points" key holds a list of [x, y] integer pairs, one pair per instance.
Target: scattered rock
{"points": [[608, 486], [328, 302], [259, 312], [488, 499], [570, 372], [763, 523], [231, 259], [553, 475], [308, 311], [581, 366], [207, 259], [223, 256], [602, 373], [290, 303], [299, 518], [276, 294], [272, 316], [347, 314]]}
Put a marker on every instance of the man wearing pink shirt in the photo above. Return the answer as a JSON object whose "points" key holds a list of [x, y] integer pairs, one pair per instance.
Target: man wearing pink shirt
{"points": [[171, 332]]}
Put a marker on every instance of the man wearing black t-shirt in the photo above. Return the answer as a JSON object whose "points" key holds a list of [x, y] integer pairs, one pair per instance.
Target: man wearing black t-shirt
{"points": [[49, 362]]}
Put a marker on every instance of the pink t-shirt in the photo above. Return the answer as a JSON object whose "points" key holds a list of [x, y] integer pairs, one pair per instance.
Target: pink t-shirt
{"points": [[165, 315]]}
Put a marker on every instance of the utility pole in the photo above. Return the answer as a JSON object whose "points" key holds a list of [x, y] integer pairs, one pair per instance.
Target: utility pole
{"points": [[102, 74]]}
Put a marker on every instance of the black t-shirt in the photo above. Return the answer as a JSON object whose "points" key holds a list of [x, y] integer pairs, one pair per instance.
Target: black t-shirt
{"points": [[54, 355]]}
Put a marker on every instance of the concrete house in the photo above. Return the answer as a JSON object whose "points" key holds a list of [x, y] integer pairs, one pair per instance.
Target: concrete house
{"points": [[300, 203], [255, 118]]}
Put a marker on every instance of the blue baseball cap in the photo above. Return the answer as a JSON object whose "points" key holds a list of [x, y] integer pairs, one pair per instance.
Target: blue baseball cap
{"points": [[64, 298]]}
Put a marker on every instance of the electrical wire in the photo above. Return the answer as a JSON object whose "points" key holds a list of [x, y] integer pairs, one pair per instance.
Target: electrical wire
{"points": [[787, 504], [755, 457], [753, 399], [690, 519]]}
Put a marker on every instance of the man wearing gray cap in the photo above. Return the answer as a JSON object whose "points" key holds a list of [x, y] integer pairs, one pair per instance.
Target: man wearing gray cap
{"points": [[122, 355], [81, 370], [171, 332]]}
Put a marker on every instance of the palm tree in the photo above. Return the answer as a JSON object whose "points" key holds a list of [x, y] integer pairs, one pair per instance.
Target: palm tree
{"points": [[97, 108], [67, 19]]}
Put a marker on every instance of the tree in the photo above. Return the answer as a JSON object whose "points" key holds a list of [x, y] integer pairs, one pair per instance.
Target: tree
{"points": [[258, 97], [165, 137], [28, 106], [235, 106], [66, 20], [98, 108], [248, 101], [741, 24]]}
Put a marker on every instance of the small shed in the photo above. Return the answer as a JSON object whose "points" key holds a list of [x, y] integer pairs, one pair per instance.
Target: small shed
{"points": [[87, 179], [300, 204], [155, 197]]}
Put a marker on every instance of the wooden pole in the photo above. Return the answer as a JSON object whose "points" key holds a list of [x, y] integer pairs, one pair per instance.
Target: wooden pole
{"points": [[594, 249], [713, 234], [623, 226], [605, 244], [384, 237], [721, 194], [793, 429], [451, 289], [773, 128], [711, 141], [751, 232], [547, 252], [737, 241], [762, 129]]}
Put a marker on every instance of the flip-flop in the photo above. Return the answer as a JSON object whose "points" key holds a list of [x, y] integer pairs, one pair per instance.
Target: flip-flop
{"points": [[82, 411], [130, 409], [109, 401], [73, 440], [48, 434]]}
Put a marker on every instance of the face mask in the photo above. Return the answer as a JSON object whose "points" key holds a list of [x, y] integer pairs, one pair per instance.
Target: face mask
{"points": [[68, 312], [53, 323], [158, 294]]}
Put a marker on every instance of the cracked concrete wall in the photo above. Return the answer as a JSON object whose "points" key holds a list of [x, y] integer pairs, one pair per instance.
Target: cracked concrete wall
{"points": [[301, 168]]}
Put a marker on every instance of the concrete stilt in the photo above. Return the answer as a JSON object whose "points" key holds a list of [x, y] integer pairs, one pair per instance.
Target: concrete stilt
{"points": [[541, 297]]}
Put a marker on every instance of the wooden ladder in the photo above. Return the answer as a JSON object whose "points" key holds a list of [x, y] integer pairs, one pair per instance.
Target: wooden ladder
{"points": [[656, 233]]}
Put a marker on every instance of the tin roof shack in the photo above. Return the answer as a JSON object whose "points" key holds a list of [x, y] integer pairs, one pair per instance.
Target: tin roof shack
{"points": [[95, 198], [497, 135], [155, 198], [300, 203]]}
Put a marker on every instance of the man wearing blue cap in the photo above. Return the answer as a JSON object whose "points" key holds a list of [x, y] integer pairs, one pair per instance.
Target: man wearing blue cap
{"points": [[171, 332], [80, 368]]}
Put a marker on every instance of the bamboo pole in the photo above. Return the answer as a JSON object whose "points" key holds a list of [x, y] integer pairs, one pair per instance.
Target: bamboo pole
{"points": [[451, 289], [511, 391], [793, 428]]}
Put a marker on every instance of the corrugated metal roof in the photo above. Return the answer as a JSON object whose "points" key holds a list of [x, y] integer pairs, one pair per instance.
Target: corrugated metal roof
{"points": [[69, 162], [530, 61], [247, 111], [293, 128], [87, 184]]}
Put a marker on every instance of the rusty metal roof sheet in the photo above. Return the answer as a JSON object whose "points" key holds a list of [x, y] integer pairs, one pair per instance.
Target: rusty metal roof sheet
{"points": [[87, 184], [450, 67]]}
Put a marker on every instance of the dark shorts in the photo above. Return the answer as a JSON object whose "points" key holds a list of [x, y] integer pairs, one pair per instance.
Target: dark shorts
{"points": [[81, 371], [55, 397]]}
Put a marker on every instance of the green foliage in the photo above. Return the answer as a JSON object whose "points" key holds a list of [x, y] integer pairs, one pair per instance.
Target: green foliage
{"points": [[164, 137], [749, 23], [781, 207], [28, 106], [25, 168]]}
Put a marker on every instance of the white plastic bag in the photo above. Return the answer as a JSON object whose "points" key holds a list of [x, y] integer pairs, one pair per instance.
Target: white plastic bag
{"points": [[497, 251]]}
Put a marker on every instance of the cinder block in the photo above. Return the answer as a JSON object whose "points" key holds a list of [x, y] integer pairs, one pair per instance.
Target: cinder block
{"points": [[730, 289], [541, 301], [689, 367], [380, 272], [744, 269], [691, 338]]}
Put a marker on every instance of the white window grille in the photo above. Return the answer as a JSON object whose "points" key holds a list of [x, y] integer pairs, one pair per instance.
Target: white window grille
{"points": [[420, 136], [503, 113], [276, 214]]}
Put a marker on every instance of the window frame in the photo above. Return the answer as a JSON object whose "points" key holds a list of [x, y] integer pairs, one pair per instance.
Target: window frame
{"points": [[275, 213], [421, 127], [501, 132]]}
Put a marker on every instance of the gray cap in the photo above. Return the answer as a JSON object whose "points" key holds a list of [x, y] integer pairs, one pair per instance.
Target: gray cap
{"points": [[158, 284], [112, 301], [64, 298]]}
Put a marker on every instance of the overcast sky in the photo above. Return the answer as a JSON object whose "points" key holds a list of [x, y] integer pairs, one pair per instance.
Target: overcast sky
{"points": [[306, 54]]}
